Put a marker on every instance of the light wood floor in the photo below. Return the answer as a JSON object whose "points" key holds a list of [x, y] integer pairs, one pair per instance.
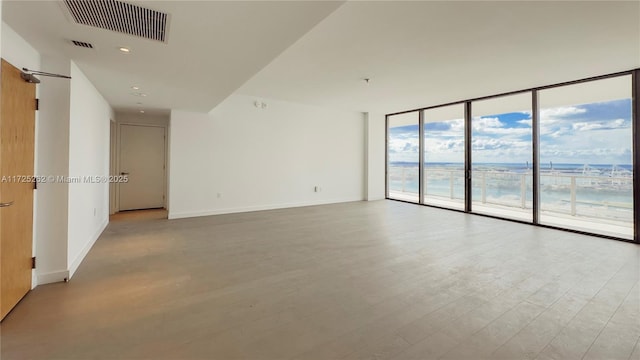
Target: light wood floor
{"points": [[377, 280]]}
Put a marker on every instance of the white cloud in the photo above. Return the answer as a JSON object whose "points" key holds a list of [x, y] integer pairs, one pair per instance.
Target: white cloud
{"points": [[600, 125], [435, 145], [560, 112], [555, 122], [486, 144], [569, 135], [457, 125], [605, 146], [403, 148], [508, 131], [485, 123], [493, 126]]}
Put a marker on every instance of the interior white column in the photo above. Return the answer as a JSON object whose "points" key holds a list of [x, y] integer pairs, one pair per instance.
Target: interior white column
{"points": [[375, 156]]}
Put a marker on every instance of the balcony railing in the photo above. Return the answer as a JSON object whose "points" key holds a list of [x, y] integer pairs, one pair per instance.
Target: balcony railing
{"points": [[596, 196]]}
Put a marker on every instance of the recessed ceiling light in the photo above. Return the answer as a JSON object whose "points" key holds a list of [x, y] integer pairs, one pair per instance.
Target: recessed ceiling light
{"points": [[135, 88], [125, 50], [139, 94], [141, 111]]}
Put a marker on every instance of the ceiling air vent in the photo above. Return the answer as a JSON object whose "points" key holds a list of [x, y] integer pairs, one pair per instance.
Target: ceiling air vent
{"points": [[82, 44], [120, 16]]}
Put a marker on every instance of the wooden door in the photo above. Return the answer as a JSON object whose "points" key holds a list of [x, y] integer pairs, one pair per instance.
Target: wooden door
{"points": [[142, 157], [17, 136]]}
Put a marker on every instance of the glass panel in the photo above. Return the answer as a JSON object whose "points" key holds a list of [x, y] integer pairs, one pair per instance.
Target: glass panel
{"points": [[586, 174], [502, 157], [444, 156], [404, 156]]}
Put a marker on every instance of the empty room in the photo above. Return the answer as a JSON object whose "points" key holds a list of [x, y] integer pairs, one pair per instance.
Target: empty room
{"points": [[319, 180]]}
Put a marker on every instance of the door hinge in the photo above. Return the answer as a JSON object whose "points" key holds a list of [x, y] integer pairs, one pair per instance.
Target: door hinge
{"points": [[37, 104], [35, 184], [33, 262]]}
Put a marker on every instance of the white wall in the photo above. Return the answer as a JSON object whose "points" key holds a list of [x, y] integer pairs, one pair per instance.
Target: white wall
{"points": [[52, 158], [72, 138], [90, 115], [242, 158], [0, 28], [17, 51], [375, 156]]}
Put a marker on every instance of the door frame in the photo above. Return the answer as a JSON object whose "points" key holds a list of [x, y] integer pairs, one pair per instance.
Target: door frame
{"points": [[118, 170], [113, 170]]}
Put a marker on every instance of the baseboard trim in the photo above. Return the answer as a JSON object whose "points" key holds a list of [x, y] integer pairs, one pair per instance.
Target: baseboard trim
{"points": [[78, 260], [188, 214], [52, 277], [375, 198]]}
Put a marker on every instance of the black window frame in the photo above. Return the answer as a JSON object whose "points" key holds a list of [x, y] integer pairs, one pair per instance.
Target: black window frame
{"points": [[635, 121]]}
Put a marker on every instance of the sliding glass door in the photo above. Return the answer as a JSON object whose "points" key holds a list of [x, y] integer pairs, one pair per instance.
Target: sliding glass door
{"points": [[502, 157], [560, 156], [586, 157], [403, 157], [444, 153]]}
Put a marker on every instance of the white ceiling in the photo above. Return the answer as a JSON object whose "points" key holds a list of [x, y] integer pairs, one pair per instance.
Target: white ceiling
{"points": [[425, 53], [417, 53], [213, 47]]}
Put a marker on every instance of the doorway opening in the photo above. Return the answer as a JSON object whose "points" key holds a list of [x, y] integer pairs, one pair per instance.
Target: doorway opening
{"points": [[139, 166]]}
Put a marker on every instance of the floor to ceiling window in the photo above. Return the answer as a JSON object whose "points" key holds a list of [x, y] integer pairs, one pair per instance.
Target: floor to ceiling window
{"points": [[444, 154], [403, 157], [560, 155], [586, 178], [502, 157]]}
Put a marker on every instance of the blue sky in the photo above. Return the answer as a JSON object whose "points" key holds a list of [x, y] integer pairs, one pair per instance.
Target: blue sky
{"points": [[596, 133]]}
